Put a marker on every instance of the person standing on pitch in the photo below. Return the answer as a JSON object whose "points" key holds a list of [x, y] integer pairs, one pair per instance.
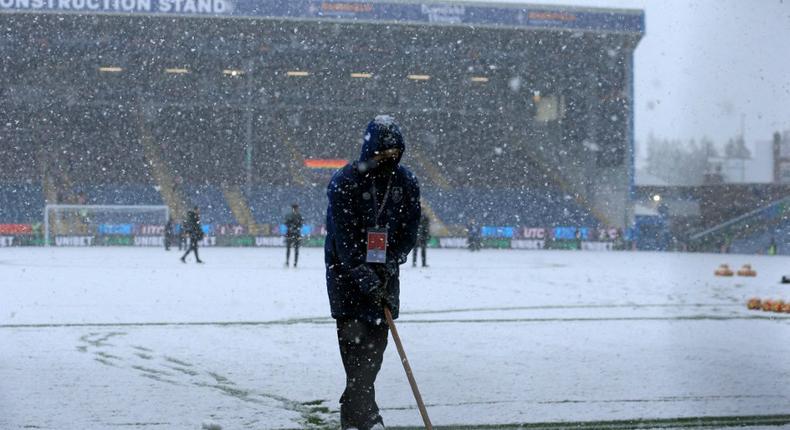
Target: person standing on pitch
{"points": [[168, 233], [371, 221], [195, 231], [181, 229], [293, 233], [423, 236], [473, 238]]}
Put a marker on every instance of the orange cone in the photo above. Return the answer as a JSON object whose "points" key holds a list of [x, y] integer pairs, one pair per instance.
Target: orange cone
{"points": [[753, 303], [747, 270], [723, 270]]}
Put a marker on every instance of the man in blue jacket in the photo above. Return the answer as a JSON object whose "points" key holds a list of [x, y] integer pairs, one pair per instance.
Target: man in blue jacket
{"points": [[371, 221]]}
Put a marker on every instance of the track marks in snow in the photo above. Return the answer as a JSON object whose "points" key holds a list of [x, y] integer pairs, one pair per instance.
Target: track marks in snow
{"points": [[96, 341], [99, 340], [166, 369], [176, 361], [183, 370]]}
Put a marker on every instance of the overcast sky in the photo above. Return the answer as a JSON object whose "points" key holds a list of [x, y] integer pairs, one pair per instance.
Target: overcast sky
{"points": [[704, 63]]}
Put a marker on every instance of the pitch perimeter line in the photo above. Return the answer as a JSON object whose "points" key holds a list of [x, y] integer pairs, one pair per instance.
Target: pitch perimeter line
{"points": [[658, 423], [322, 321]]}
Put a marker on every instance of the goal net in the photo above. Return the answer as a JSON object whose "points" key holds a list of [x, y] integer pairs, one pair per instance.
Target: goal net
{"points": [[104, 225]]}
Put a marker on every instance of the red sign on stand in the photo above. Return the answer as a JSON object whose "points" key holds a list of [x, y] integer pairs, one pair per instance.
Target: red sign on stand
{"points": [[15, 229]]}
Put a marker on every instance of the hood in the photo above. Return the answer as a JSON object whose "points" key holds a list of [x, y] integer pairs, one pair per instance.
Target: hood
{"points": [[382, 133]]}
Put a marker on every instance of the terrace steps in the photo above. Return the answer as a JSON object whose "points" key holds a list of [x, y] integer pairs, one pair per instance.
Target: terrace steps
{"points": [[239, 207], [166, 184]]}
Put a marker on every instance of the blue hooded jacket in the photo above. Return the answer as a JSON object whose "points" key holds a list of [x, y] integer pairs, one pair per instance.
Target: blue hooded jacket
{"points": [[355, 196]]}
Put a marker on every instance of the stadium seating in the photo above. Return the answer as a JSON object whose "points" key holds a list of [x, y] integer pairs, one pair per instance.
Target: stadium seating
{"points": [[116, 137], [760, 241], [21, 203], [269, 205], [121, 194], [507, 207], [209, 198], [749, 232], [103, 158]]}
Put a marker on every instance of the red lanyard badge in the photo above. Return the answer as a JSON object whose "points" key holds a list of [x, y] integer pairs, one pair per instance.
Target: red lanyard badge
{"points": [[377, 245]]}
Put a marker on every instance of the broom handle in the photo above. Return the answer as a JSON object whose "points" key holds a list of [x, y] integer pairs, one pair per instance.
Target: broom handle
{"points": [[407, 368]]}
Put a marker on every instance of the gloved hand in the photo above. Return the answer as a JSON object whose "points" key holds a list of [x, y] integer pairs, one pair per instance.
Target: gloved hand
{"points": [[386, 271], [369, 281]]}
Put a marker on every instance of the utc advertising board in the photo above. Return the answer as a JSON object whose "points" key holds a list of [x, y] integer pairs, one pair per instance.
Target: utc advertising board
{"points": [[520, 16], [312, 236]]}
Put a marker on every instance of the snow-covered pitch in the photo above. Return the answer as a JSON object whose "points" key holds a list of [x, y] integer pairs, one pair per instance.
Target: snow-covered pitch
{"points": [[132, 338]]}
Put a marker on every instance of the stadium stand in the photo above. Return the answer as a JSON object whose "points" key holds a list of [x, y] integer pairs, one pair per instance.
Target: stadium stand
{"points": [[121, 194], [156, 110], [270, 204], [210, 200], [502, 207], [760, 241], [750, 232]]}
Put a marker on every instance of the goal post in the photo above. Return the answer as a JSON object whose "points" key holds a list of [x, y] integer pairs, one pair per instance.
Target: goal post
{"points": [[85, 221]]}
